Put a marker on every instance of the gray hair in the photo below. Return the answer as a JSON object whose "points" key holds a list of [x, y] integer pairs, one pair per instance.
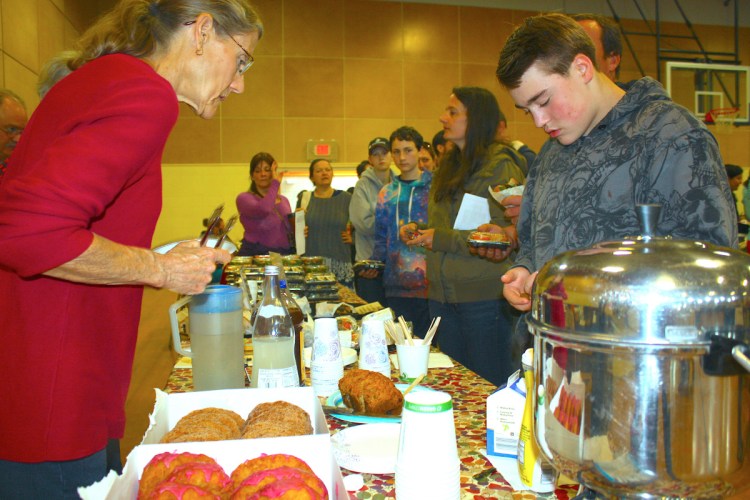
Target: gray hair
{"points": [[141, 28]]}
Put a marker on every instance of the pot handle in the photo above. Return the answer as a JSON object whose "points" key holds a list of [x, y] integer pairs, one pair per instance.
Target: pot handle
{"points": [[739, 353], [175, 327]]}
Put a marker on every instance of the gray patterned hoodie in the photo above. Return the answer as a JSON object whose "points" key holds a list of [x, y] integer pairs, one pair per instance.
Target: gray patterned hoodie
{"points": [[647, 149]]}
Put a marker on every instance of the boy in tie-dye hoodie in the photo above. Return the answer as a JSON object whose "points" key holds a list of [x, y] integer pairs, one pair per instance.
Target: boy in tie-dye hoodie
{"points": [[404, 200]]}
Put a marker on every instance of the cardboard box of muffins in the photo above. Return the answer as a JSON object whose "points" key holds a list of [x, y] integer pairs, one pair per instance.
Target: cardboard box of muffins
{"points": [[314, 449]]}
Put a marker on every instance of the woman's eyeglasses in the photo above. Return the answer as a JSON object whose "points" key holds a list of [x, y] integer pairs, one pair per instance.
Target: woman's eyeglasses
{"points": [[242, 67]]}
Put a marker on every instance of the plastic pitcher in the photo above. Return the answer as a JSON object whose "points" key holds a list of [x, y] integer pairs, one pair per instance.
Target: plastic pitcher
{"points": [[217, 346]]}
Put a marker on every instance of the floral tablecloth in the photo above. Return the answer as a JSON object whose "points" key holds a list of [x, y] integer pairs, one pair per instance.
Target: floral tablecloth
{"points": [[479, 479]]}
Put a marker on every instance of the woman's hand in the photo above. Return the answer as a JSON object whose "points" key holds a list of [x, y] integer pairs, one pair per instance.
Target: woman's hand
{"points": [[422, 238], [346, 235], [408, 231], [517, 290], [279, 176], [496, 254]]}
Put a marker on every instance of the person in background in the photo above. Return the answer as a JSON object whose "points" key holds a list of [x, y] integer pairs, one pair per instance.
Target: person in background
{"points": [[734, 176], [519, 146], [605, 34], [12, 122], [362, 214], [327, 218], [363, 165], [426, 157], [466, 292], [264, 212], [78, 208], [402, 201], [587, 179], [440, 145]]}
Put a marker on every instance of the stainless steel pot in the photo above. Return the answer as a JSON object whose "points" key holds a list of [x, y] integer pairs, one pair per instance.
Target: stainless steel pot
{"points": [[642, 395]]}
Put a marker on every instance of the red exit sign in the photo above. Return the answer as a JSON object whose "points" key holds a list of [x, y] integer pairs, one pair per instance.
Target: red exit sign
{"points": [[322, 149]]}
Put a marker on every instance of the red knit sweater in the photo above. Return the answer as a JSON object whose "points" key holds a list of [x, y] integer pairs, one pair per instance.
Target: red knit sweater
{"points": [[88, 162]]}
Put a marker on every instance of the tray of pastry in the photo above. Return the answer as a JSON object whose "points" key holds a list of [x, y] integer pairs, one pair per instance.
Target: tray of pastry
{"points": [[363, 265], [493, 240], [312, 279]]}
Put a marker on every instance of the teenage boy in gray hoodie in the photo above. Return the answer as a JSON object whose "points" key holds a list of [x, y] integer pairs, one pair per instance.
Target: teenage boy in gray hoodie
{"points": [[362, 214]]}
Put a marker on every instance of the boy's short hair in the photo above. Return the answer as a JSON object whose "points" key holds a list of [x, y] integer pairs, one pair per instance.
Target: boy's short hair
{"points": [[407, 133], [438, 139], [553, 40]]}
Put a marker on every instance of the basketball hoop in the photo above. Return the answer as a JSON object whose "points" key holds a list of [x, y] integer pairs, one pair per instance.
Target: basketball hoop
{"points": [[723, 118]]}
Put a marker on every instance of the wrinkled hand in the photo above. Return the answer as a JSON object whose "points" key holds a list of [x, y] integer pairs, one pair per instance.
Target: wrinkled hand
{"points": [[517, 290], [188, 267], [496, 254], [512, 206], [422, 238]]}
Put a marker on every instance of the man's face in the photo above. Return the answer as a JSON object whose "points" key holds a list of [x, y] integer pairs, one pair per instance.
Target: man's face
{"points": [[607, 63], [734, 182], [406, 157], [558, 104], [380, 159], [12, 122]]}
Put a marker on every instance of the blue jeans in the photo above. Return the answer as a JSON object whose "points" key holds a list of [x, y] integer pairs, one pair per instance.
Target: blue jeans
{"points": [[53, 480], [412, 309], [477, 335]]}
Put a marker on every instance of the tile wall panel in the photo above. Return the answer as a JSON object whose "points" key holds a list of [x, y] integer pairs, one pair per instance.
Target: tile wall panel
{"points": [[270, 12], [243, 137], [313, 87], [314, 29], [52, 36], [21, 32], [483, 32], [431, 32], [373, 30], [427, 86], [263, 96], [373, 88]]}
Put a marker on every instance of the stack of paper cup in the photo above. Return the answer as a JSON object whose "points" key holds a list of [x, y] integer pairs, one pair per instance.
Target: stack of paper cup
{"points": [[373, 350], [427, 465], [326, 365]]}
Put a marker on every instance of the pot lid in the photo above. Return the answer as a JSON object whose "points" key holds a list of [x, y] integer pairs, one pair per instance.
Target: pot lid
{"points": [[644, 290]]}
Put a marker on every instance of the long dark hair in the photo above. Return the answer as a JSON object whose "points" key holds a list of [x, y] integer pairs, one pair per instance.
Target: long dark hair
{"points": [[482, 120], [254, 163]]}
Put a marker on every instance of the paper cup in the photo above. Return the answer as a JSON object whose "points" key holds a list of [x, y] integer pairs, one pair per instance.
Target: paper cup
{"points": [[427, 464], [373, 351], [326, 366], [412, 361]]}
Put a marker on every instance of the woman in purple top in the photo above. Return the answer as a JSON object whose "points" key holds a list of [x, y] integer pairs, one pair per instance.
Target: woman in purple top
{"points": [[264, 212]]}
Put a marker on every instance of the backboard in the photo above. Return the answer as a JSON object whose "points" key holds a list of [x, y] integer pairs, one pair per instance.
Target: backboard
{"points": [[701, 87]]}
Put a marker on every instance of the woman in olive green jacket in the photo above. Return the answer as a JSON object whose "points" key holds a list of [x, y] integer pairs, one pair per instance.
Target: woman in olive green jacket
{"points": [[466, 292]]}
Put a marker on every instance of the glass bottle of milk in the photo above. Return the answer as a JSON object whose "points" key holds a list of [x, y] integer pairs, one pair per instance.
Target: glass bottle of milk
{"points": [[273, 338]]}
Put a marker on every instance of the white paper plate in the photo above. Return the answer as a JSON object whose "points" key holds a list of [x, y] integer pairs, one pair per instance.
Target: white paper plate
{"points": [[370, 448], [348, 355]]}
